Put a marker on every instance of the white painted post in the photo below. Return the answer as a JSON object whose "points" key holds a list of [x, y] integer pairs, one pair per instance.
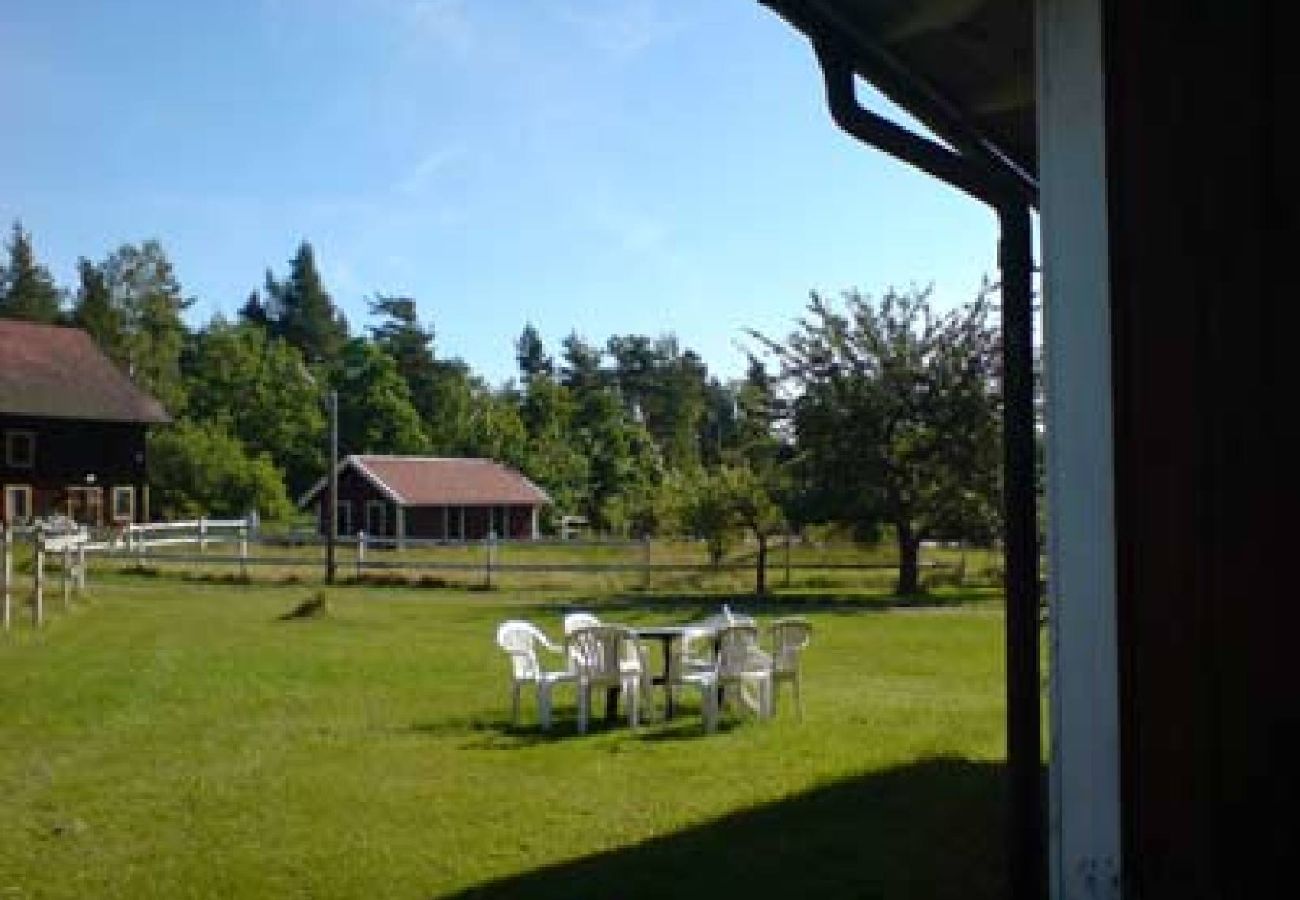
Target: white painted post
{"points": [[203, 534], [1084, 775], [361, 552], [81, 567], [536, 532], [243, 551], [38, 600], [6, 571], [401, 526], [140, 544]]}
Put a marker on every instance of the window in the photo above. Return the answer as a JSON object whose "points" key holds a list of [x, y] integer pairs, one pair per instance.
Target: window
{"points": [[20, 449], [376, 518], [18, 504], [124, 504]]}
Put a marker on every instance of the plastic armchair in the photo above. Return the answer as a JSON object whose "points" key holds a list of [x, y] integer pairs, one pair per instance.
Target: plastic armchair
{"points": [[789, 637], [575, 620], [608, 656], [519, 640], [741, 664], [691, 658]]}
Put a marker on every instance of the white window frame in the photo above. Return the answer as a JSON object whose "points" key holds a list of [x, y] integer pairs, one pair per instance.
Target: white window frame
{"points": [[119, 490], [383, 517], [26, 491], [10, 443]]}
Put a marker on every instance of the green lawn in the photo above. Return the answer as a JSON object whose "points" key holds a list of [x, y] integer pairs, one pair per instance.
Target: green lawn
{"points": [[168, 739]]}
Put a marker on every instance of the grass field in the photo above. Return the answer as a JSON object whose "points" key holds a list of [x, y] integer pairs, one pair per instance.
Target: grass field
{"points": [[169, 739]]}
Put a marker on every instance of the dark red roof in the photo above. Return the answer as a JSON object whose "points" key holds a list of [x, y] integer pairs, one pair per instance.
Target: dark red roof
{"points": [[61, 373], [443, 481]]}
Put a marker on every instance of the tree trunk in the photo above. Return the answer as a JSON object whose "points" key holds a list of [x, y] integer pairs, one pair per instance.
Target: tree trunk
{"points": [[909, 566], [760, 579]]}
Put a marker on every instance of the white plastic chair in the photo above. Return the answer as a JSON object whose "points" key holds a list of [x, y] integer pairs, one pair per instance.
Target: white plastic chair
{"points": [[608, 656], [740, 664], [575, 620], [696, 653], [519, 640], [789, 637]]}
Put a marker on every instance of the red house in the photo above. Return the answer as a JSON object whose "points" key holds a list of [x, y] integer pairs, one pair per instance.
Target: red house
{"points": [[72, 429], [442, 498]]}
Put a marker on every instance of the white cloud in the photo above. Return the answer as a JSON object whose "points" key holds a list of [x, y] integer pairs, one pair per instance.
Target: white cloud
{"points": [[619, 28], [433, 164], [445, 23]]}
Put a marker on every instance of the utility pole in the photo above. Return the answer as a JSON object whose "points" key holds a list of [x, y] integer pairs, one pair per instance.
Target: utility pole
{"points": [[332, 531]]}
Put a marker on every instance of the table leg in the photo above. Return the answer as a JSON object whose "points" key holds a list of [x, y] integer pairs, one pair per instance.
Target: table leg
{"points": [[668, 678]]}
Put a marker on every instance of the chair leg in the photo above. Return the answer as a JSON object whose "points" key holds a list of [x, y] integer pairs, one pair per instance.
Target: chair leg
{"points": [[633, 703], [709, 703], [798, 696], [514, 703], [584, 700], [544, 705]]}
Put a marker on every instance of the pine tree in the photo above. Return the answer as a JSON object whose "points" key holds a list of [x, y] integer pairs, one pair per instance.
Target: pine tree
{"points": [[27, 291], [531, 355], [94, 310], [302, 312]]}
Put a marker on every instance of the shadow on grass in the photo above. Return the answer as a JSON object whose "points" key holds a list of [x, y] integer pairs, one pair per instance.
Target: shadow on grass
{"points": [[929, 830], [687, 606]]}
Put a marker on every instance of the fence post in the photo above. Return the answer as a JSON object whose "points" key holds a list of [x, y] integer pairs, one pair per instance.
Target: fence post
{"points": [[243, 551], [6, 571], [645, 562], [361, 552], [38, 600], [203, 534], [491, 547], [141, 545], [81, 567]]}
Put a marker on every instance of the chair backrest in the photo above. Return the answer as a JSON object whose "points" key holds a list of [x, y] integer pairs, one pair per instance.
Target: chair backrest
{"points": [[738, 650], [575, 620], [520, 639], [598, 651], [789, 637]]}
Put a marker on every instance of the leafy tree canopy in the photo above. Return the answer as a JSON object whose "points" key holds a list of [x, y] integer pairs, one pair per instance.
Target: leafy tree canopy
{"points": [[897, 413]]}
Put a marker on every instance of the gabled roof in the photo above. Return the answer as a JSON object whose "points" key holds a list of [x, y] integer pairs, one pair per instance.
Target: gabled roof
{"points": [[54, 372], [441, 481]]}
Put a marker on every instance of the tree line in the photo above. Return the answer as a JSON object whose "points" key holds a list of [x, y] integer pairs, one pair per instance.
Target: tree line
{"points": [[880, 414]]}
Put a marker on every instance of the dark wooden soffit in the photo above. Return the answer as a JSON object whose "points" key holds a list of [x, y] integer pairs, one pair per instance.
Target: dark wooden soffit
{"points": [[965, 68]]}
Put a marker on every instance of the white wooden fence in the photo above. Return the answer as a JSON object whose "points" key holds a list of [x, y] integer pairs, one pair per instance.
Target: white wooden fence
{"points": [[71, 545]]}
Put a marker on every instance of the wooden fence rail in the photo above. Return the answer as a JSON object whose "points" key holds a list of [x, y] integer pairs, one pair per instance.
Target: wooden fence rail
{"points": [[70, 546]]}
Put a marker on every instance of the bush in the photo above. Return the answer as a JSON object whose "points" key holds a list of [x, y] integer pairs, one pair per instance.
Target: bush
{"points": [[199, 469]]}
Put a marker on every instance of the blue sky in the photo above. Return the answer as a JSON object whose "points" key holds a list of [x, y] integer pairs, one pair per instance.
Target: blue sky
{"points": [[604, 166]]}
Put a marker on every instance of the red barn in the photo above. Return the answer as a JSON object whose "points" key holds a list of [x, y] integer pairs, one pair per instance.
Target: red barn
{"points": [[443, 498], [72, 429]]}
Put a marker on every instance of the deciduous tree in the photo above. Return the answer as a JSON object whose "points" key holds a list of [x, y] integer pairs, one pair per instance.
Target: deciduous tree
{"points": [[897, 413]]}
